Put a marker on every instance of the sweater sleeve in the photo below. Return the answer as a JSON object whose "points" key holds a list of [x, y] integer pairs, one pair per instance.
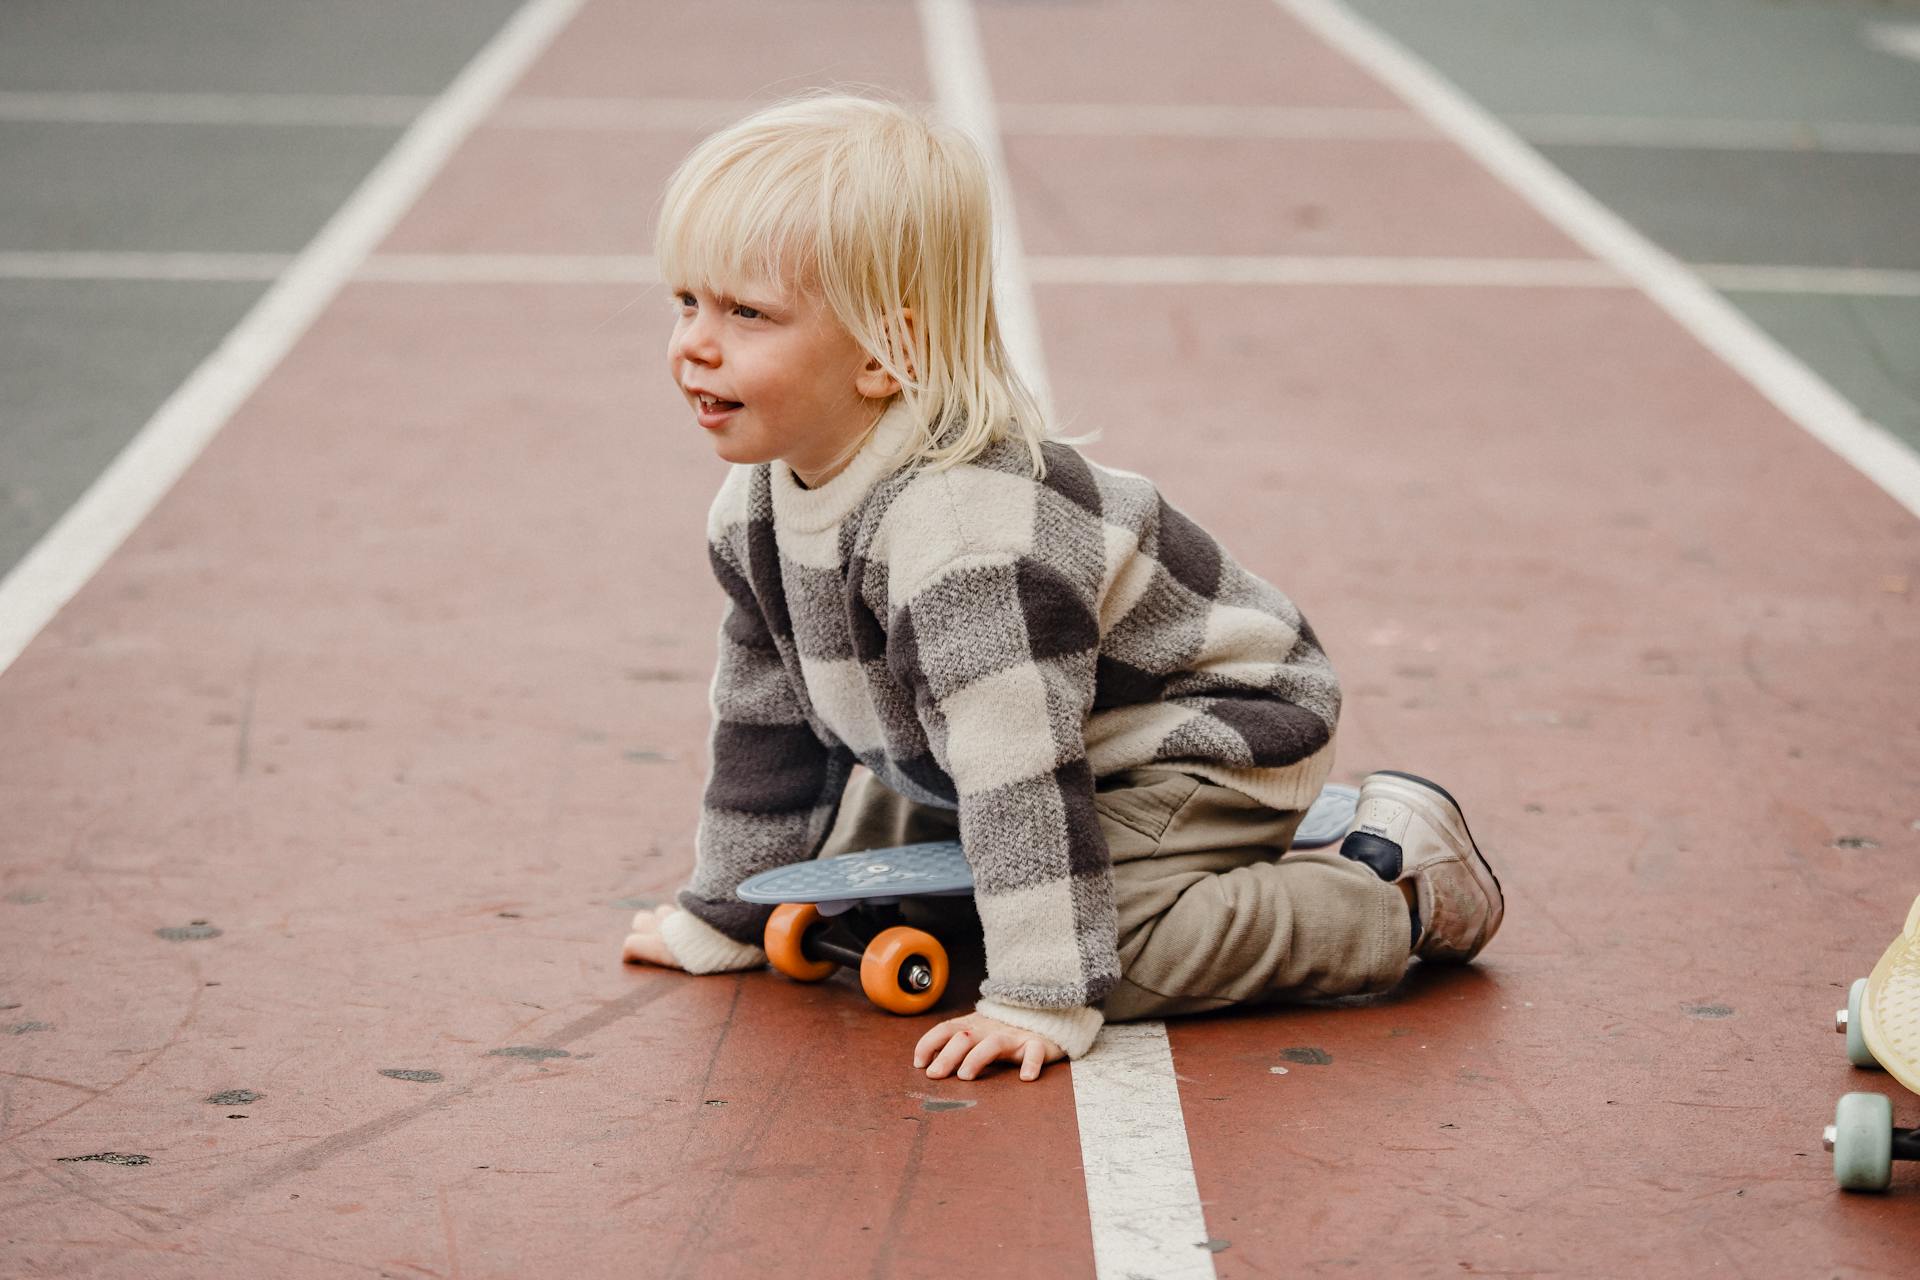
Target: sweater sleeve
{"points": [[773, 787], [1000, 651]]}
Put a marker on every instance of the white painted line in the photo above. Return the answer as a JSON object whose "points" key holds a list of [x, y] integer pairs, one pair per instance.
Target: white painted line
{"points": [[509, 268], [1142, 1199], [694, 115], [120, 498], [1058, 119], [1057, 269], [958, 67], [143, 266], [1523, 273], [551, 268], [1055, 119], [1141, 1196], [1715, 135], [1784, 379], [389, 111], [1075, 119], [351, 109], [1859, 282], [1173, 120]]}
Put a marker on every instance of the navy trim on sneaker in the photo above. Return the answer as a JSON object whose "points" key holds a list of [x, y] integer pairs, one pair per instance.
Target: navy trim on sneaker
{"points": [[1385, 859], [1383, 855]]}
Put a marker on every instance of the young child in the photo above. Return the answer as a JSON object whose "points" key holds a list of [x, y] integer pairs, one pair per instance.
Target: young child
{"points": [[1026, 650]]}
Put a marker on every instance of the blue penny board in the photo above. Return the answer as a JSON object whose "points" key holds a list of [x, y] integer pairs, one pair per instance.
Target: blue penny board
{"points": [[878, 875], [940, 867], [1329, 818]]}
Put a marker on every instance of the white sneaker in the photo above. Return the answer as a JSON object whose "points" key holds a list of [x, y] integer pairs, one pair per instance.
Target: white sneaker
{"points": [[1409, 829]]}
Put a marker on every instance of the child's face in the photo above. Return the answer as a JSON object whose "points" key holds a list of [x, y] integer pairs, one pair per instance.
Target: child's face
{"points": [[805, 390]]}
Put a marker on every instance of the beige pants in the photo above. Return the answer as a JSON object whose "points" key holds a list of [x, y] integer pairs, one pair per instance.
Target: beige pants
{"points": [[1210, 913]]}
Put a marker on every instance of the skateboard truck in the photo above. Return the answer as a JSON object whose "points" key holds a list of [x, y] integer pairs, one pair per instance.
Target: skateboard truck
{"points": [[903, 970]]}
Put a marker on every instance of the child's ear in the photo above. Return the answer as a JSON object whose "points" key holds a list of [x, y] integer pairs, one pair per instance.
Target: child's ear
{"points": [[876, 383]]}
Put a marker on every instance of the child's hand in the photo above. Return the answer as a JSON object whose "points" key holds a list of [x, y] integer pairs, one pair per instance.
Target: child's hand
{"points": [[645, 945], [974, 1042]]}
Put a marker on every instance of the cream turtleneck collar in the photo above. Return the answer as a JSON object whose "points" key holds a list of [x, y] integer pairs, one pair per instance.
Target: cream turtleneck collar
{"points": [[811, 510]]}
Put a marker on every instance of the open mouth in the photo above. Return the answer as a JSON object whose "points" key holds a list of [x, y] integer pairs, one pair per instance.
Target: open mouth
{"points": [[712, 404]]}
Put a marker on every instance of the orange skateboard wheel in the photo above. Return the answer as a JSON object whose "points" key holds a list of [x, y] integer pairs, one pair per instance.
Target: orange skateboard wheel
{"points": [[785, 938], [904, 970]]}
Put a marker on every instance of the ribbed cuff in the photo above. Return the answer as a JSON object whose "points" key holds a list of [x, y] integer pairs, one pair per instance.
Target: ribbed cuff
{"points": [[701, 948], [1071, 1029]]}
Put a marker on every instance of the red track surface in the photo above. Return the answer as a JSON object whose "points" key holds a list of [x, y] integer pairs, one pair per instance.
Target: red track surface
{"points": [[403, 687]]}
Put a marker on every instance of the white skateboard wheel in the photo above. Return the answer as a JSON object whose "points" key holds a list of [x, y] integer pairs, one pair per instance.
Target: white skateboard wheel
{"points": [[1863, 1142], [1857, 1052]]}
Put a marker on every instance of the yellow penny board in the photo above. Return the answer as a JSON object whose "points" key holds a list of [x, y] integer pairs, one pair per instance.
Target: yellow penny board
{"points": [[1890, 1008]]}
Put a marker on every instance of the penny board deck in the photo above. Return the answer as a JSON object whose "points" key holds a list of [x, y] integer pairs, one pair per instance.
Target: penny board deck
{"points": [[939, 868]]}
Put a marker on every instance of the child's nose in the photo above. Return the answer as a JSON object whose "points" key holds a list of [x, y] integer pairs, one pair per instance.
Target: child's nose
{"points": [[696, 340]]}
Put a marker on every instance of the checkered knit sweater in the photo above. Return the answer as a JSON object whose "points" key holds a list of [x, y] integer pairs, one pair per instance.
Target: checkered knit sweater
{"points": [[985, 641]]}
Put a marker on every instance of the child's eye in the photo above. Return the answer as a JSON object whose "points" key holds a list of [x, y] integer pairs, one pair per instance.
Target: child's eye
{"points": [[750, 313]]}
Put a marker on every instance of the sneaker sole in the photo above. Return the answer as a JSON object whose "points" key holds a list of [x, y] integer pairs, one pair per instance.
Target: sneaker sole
{"points": [[1482, 870]]}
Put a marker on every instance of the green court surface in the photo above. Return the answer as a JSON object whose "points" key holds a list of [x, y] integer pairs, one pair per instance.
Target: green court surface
{"points": [[121, 133], [234, 46], [1782, 134], [1804, 60], [85, 362], [1869, 346]]}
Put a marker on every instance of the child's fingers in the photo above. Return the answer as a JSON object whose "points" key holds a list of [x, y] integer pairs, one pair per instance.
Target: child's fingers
{"points": [[647, 948], [930, 1043], [647, 919], [985, 1054], [960, 1042], [957, 1047]]}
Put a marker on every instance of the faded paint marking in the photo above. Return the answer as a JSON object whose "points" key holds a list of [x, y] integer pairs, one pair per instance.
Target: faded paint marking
{"points": [[1142, 1199], [531, 1052], [198, 931]]}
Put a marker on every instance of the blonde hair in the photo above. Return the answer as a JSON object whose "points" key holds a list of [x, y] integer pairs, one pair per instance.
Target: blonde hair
{"points": [[876, 210]]}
